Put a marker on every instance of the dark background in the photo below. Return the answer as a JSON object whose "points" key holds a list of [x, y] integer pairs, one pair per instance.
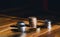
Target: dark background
{"points": [[24, 8], [54, 5]]}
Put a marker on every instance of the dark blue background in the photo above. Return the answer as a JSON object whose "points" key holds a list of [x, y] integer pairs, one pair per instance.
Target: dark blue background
{"points": [[21, 7], [25, 8]]}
